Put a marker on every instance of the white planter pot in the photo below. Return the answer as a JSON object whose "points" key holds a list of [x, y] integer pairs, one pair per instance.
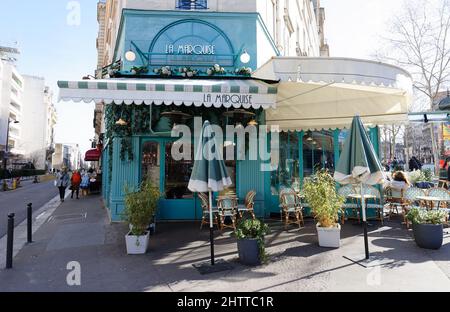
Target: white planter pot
{"points": [[329, 237], [137, 245]]}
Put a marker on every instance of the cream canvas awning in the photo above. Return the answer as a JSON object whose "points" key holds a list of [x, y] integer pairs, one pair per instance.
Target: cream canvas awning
{"points": [[325, 93], [245, 93]]}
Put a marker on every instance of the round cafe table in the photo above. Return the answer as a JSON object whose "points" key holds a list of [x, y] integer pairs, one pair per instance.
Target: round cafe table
{"points": [[429, 200]]}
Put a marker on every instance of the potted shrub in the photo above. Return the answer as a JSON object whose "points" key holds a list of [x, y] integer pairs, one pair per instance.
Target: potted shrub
{"points": [[320, 193], [140, 207], [427, 227], [250, 241]]}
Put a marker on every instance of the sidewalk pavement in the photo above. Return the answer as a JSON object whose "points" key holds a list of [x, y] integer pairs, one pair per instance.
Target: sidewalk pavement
{"points": [[79, 230]]}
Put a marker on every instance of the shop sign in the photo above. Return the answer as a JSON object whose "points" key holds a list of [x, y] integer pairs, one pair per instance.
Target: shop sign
{"points": [[191, 49], [227, 98]]}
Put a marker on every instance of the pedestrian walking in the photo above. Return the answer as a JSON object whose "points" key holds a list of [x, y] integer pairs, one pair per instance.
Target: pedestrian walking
{"points": [[75, 181], [62, 181], [84, 184]]}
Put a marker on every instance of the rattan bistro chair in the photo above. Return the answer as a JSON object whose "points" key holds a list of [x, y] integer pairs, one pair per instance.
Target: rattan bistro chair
{"points": [[204, 201], [291, 208], [227, 206], [411, 201], [349, 203], [248, 205], [395, 200]]}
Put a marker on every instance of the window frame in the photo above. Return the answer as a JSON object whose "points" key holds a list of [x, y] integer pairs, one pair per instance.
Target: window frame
{"points": [[192, 4]]}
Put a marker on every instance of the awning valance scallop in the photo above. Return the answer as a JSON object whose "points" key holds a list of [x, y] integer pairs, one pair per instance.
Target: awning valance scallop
{"points": [[245, 93]]}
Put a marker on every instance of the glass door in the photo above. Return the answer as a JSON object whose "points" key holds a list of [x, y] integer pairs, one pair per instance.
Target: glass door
{"points": [[151, 162], [172, 177]]}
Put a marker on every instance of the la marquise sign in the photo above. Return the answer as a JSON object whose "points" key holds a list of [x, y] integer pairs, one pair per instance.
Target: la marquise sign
{"points": [[191, 49], [220, 99]]}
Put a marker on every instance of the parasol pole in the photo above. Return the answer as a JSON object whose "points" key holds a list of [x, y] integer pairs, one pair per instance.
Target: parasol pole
{"points": [[363, 209], [211, 228]]}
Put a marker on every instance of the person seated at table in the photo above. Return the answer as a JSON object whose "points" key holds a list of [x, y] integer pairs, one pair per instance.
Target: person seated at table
{"points": [[400, 176], [397, 180]]}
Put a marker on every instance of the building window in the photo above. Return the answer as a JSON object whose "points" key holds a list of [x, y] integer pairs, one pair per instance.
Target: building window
{"points": [[318, 152], [192, 4], [287, 174], [17, 80]]}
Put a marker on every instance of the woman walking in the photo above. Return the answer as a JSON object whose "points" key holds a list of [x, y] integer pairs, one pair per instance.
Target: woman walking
{"points": [[84, 184], [75, 183], [62, 181]]}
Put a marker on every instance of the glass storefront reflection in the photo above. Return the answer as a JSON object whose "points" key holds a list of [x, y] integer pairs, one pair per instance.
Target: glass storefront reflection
{"points": [[177, 175], [151, 162], [318, 152]]}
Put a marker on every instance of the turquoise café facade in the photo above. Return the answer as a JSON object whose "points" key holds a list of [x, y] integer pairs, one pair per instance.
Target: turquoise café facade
{"points": [[173, 52]]}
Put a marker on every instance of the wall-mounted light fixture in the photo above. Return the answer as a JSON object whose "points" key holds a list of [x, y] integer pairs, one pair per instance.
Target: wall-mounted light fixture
{"points": [[245, 57], [130, 56], [121, 122]]}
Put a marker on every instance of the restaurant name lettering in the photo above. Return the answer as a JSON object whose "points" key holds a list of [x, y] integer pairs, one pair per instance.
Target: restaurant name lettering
{"points": [[227, 98], [189, 49]]}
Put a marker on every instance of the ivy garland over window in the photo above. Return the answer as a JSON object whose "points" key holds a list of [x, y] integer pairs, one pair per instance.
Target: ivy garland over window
{"points": [[137, 118]]}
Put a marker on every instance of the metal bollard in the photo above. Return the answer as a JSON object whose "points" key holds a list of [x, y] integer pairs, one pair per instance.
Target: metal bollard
{"points": [[9, 241], [29, 222]]}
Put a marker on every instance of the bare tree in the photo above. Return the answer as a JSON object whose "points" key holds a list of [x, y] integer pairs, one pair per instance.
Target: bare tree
{"points": [[391, 135], [419, 42]]}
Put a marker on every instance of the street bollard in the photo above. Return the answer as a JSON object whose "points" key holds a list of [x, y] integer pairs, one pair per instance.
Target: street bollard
{"points": [[29, 222], [9, 241]]}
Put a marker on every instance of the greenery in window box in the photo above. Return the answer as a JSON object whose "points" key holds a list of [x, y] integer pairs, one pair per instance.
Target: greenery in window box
{"points": [[423, 216], [140, 206], [215, 70], [139, 70], [165, 71], [320, 192], [188, 72], [246, 71], [254, 229]]}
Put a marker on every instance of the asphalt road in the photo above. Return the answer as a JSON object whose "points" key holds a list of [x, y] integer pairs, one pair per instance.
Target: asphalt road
{"points": [[16, 201]]}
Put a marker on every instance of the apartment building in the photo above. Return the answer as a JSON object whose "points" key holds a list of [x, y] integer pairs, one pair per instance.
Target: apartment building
{"points": [[11, 108]]}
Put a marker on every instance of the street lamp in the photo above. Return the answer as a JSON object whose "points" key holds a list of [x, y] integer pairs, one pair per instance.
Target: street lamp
{"points": [[5, 155]]}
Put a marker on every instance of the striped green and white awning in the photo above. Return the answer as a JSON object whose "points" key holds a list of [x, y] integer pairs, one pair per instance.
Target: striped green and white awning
{"points": [[209, 93]]}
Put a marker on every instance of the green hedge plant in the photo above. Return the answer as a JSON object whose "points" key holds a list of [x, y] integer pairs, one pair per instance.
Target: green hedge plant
{"points": [[320, 192], [254, 229], [141, 206], [423, 216]]}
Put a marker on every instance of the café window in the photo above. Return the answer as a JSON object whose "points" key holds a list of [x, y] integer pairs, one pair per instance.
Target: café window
{"points": [[287, 174], [318, 152], [177, 174], [230, 164], [192, 4]]}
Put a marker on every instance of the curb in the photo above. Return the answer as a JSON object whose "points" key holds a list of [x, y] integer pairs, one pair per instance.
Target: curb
{"points": [[20, 231]]}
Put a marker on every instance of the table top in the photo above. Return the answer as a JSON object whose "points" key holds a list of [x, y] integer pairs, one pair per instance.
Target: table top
{"points": [[358, 196], [433, 198]]}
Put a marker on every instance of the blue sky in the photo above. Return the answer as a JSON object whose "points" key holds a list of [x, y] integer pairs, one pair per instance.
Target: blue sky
{"points": [[56, 50]]}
